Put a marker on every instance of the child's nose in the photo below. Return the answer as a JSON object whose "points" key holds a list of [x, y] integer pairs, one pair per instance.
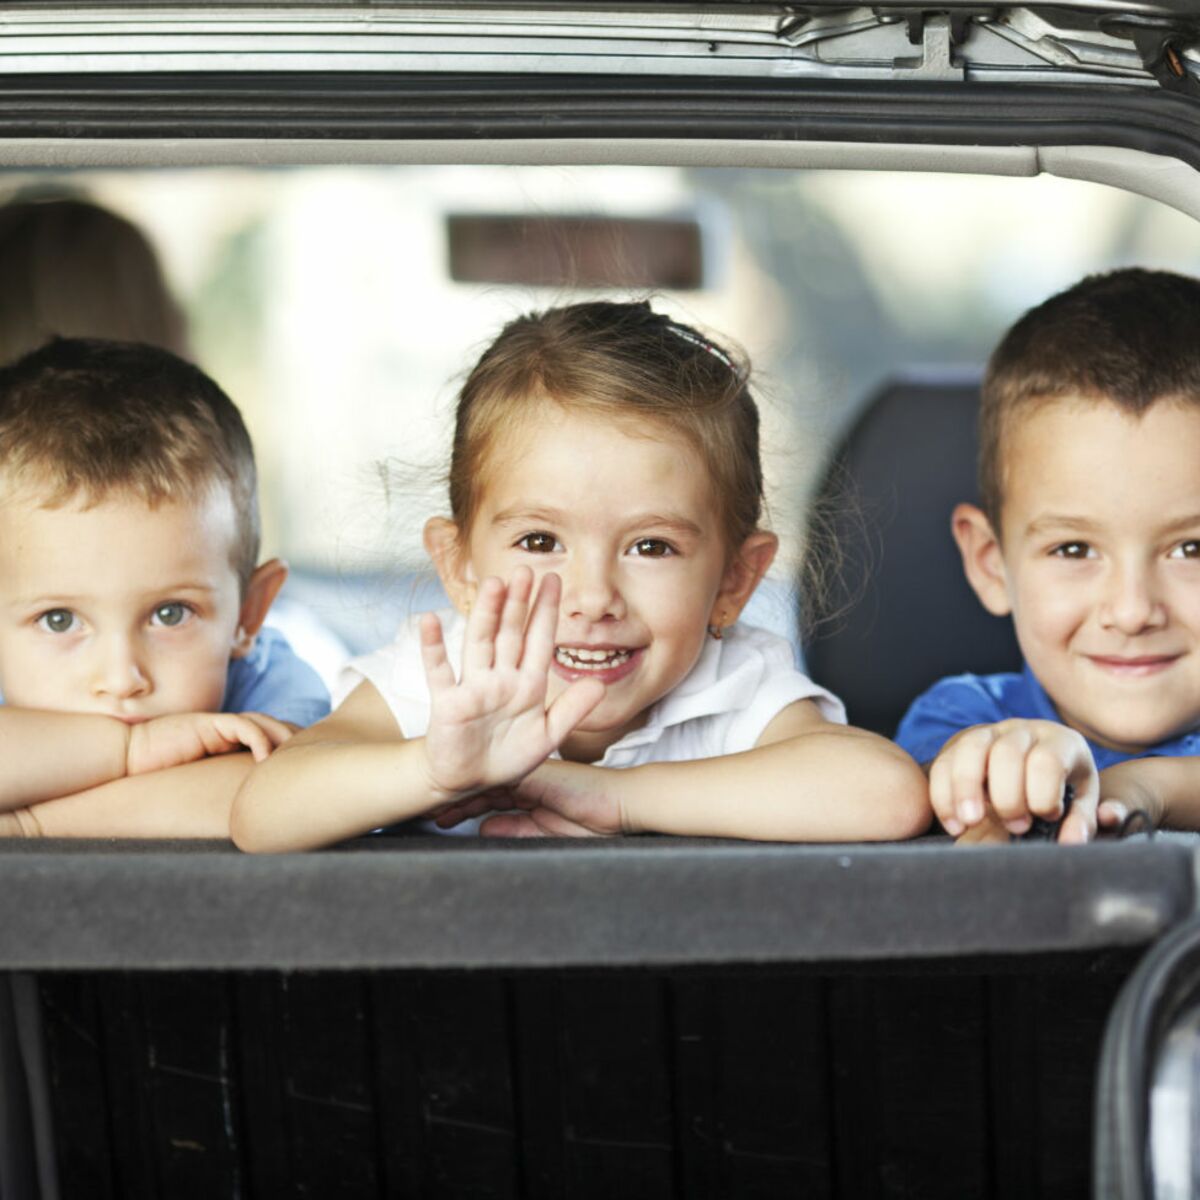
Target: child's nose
{"points": [[590, 589], [119, 670], [1133, 603]]}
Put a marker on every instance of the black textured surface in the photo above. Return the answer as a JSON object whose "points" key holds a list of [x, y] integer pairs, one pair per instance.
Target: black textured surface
{"points": [[442, 903], [590, 1085]]}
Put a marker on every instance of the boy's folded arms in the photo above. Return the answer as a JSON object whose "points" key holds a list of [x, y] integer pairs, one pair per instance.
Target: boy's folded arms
{"points": [[59, 753]]}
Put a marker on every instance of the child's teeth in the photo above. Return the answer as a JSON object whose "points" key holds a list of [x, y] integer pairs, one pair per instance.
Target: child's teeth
{"points": [[581, 659]]}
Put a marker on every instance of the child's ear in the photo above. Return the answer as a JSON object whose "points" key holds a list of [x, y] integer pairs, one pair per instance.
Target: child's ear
{"points": [[746, 568], [260, 594], [983, 559], [444, 547]]}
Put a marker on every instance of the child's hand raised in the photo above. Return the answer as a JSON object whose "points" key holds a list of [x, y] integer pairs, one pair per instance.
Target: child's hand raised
{"points": [[181, 738], [1016, 770], [492, 726]]}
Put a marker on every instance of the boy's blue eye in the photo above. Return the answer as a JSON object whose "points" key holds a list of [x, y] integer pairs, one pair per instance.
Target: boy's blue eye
{"points": [[540, 543], [171, 614], [57, 620], [1073, 550], [651, 548]]}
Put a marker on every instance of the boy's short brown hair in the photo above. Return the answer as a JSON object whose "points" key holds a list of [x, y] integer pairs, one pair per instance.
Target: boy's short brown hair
{"points": [[84, 418], [1130, 337]]}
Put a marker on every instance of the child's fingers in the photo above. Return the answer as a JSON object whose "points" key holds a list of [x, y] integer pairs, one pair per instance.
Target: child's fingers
{"points": [[511, 635], [941, 795], [553, 824], [542, 822], [1079, 825], [439, 674], [572, 707], [1111, 814], [491, 800], [514, 825], [1008, 778], [1047, 770], [968, 769], [543, 624], [989, 832], [278, 731], [237, 730], [479, 641]]}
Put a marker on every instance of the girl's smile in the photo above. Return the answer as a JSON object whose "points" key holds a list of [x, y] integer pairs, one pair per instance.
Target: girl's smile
{"points": [[609, 664]]}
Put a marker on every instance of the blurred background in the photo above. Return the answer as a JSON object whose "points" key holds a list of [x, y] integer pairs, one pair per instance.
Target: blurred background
{"points": [[341, 307]]}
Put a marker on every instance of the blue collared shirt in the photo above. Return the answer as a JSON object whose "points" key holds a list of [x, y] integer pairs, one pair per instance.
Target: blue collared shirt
{"points": [[960, 701]]}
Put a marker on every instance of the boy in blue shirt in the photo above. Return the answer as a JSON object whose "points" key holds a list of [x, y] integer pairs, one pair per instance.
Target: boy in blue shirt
{"points": [[1089, 536], [133, 657]]}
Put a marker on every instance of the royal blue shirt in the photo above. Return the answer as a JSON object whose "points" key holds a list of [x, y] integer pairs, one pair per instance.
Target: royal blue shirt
{"points": [[960, 701]]}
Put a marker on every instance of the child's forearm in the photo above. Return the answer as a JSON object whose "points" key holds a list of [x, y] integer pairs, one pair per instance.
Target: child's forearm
{"points": [[312, 793], [48, 754], [832, 785], [1167, 789], [189, 801]]}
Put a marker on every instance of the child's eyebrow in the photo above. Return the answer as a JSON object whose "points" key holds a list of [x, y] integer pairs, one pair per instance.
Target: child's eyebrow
{"points": [[672, 522], [1191, 521], [523, 513], [74, 599], [1057, 521]]}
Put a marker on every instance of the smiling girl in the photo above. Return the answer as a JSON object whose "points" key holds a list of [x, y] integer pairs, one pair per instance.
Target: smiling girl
{"points": [[605, 497]]}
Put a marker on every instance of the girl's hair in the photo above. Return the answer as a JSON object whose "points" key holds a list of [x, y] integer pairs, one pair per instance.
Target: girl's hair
{"points": [[620, 360]]}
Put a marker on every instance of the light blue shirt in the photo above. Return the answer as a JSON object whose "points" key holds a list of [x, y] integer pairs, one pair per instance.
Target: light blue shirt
{"points": [[961, 701], [273, 679]]}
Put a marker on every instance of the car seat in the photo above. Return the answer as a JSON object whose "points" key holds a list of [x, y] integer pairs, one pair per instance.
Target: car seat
{"points": [[901, 612]]}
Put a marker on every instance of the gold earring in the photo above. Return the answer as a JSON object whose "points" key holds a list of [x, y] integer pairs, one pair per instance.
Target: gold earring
{"points": [[716, 632]]}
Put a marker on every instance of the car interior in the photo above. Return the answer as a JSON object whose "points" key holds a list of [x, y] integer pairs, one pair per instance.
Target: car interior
{"points": [[347, 201]]}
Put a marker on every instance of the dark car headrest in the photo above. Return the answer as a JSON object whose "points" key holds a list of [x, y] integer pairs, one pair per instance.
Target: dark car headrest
{"points": [[907, 615]]}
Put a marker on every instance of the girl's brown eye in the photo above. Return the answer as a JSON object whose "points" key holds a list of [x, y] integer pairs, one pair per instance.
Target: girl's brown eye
{"points": [[1073, 550], [651, 548], [539, 543]]}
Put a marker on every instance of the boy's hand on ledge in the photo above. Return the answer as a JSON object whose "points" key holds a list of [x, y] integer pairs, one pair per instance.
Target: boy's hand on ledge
{"points": [[1010, 772], [180, 738]]}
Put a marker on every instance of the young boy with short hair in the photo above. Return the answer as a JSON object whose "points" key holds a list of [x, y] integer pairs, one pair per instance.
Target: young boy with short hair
{"points": [[131, 600], [1089, 536]]}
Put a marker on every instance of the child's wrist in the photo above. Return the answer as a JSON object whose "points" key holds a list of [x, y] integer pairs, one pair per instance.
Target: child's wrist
{"points": [[436, 794], [633, 796]]}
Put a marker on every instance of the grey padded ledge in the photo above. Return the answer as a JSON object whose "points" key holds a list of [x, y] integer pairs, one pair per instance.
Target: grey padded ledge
{"points": [[429, 902]]}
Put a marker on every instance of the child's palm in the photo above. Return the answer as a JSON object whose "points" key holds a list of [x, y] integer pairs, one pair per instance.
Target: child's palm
{"points": [[492, 726]]}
